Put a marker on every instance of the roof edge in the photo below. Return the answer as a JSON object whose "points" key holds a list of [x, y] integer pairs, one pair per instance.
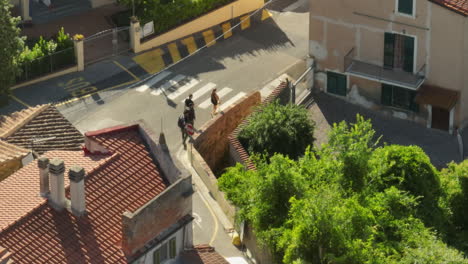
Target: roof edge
{"points": [[113, 129], [19, 125], [450, 8]]}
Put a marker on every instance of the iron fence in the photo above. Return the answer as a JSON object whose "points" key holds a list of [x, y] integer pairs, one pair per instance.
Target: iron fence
{"points": [[46, 64]]}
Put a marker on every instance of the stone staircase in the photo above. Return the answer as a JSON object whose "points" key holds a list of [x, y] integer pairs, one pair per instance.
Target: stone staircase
{"points": [[42, 14]]}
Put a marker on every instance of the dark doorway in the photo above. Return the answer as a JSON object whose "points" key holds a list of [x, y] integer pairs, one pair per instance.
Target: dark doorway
{"points": [[440, 118]]}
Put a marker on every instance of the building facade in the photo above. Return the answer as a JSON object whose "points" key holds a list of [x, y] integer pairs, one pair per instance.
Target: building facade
{"points": [[405, 57]]}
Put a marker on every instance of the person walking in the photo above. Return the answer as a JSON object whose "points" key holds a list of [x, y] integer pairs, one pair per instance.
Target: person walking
{"points": [[181, 122], [215, 101], [190, 107], [189, 102]]}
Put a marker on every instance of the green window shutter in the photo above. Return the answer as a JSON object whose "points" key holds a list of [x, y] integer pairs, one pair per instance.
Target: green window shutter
{"points": [[341, 89], [156, 257], [386, 96], [408, 54], [389, 49], [332, 83], [405, 7], [172, 248]]}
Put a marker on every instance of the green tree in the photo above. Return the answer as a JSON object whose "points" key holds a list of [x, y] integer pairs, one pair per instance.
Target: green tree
{"points": [[352, 202], [11, 45], [409, 169], [275, 128], [353, 144]]}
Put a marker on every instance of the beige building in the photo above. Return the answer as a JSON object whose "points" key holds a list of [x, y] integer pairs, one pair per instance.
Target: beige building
{"points": [[405, 57]]}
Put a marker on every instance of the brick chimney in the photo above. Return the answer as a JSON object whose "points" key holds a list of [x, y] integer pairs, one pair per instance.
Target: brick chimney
{"points": [[5, 256], [43, 164], [77, 190], [57, 188]]}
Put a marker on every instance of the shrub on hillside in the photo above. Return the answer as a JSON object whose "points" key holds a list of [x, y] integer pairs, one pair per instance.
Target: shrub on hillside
{"points": [[275, 128]]}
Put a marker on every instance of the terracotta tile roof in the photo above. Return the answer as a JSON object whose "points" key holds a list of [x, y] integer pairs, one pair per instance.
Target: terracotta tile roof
{"points": [[459, 6], [203, 254], [40, 122], [124, 182], [9, 151], [19, 193]]}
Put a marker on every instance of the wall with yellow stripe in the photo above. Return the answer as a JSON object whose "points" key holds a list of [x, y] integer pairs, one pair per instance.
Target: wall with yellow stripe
{"points": [[160, 57]]}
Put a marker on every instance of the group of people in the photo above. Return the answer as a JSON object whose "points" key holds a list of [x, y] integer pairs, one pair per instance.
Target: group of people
{"points": [[188, 117]]}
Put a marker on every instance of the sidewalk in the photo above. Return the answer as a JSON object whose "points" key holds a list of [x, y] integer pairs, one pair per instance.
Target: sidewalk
{"points": [[222, 237], [440, 146]]}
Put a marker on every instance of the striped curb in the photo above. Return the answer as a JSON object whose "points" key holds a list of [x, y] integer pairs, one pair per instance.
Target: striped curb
{"points": [[174, 51]]}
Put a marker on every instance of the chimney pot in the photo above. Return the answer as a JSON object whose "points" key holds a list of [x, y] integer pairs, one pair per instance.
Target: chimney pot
{"points": [[76, 173], [56, 166], [57, 186], [43, 164], [77, 190]]}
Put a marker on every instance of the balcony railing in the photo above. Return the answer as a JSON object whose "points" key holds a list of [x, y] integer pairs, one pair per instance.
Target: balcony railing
{"points": [[375, 72]]}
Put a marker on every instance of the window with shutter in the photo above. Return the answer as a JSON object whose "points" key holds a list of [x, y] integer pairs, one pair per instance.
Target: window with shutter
{"points": [[172, 248], [389, 50], [156, 257], [336, 83], [386, 96], [408, 54], [405, 7], [399, 97]]}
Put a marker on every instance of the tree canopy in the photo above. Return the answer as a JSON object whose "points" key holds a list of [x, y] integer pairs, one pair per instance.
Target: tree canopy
{"points": [[275, 128], [11, 45], [354, 202]]}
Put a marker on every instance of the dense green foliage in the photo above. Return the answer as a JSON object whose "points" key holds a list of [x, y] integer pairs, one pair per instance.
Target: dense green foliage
{"points": [[354, 202], [170, 14], [46, 56], [284, 129], [11, 45]]}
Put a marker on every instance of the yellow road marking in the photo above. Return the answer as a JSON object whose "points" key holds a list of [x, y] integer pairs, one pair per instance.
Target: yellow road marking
{"points": [[227, 30], [151, 61], [266, 14], [91, 94], [245, 22], [190, 43], [175, 54], [209, 38], [19, 101], [129, 72], [213, 237]]}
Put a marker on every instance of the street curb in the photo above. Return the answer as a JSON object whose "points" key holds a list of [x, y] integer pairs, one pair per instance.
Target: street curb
{"points": [[203, 190], [246, 21]]}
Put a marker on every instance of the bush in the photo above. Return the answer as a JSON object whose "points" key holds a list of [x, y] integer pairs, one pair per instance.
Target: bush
{"points": [[168, 14], [287, 130], [46, 56]]}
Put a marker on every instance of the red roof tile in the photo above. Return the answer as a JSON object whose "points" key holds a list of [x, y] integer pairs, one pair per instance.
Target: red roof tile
{"points": [[459, 6], [9, 151], [203, 254], [122, 183]]}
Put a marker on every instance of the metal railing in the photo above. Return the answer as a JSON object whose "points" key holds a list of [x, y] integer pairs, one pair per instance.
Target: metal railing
{"points": [[382, 73], [46, 64]]}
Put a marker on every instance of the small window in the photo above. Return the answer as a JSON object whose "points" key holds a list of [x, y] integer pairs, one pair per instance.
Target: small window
{"points": [[406, 7], [399, 97], [160, 254], [156, 256], [172, 248]]}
